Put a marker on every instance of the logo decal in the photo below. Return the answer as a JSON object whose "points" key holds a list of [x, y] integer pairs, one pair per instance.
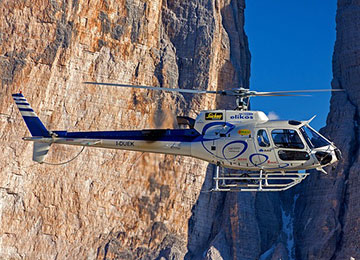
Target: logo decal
{"points": [[242, 159], [239, 153], [243, 116], [271, 162], [265, 150], [213, 116], [244, 132]]}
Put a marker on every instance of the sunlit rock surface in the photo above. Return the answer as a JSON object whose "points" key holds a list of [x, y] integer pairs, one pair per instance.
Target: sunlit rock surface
{"points": [[113, 204], [125, 205]]}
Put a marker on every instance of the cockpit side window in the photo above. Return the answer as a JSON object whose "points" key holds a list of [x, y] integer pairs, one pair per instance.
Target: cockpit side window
{"points": [[263, 138], [287, 138]]}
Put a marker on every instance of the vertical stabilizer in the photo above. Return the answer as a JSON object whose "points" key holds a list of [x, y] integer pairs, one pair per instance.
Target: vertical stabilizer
{"points": [[35, 126]]}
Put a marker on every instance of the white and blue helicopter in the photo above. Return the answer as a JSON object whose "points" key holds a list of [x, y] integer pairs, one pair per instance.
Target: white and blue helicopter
{"points": [[270, 155]]}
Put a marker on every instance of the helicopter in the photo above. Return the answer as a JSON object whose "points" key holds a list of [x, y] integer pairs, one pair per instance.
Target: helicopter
{"points": [[262, 154]]}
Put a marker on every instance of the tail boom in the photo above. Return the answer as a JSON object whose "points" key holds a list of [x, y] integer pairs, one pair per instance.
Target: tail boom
{"points": [[165, 147], [166, 141]]}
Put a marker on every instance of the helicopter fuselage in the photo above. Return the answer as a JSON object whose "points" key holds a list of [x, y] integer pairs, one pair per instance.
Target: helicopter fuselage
{"points": [[270, 155], [245, 140]]}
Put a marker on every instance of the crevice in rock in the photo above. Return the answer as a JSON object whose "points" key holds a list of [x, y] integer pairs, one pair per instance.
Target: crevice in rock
{"points": [[232, 23], [10, 192], [354, 152], [10, 64], [206, 214], [277, 239]]}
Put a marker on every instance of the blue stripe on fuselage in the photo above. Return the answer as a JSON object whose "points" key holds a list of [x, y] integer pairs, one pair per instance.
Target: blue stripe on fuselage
{"points": [[172, 135]]}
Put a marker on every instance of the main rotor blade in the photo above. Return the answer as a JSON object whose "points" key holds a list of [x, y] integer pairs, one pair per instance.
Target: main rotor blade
{"points": [[193, 91], [279, 95], [299, 91]]}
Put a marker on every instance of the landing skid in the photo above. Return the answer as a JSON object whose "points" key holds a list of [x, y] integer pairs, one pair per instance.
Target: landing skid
{"points": [[256, 181]]}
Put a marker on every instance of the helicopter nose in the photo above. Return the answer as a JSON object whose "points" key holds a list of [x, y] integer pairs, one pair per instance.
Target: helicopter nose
{"points": [[324, 157], [329, 156], [338, 154]]}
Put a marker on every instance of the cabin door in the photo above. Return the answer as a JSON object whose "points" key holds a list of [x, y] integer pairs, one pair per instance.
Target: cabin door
{"points": [[265, 154]]}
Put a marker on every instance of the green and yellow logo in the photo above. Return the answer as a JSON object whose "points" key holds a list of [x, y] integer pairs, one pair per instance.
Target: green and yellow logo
{"points": [[244, 132], [213, 116]]}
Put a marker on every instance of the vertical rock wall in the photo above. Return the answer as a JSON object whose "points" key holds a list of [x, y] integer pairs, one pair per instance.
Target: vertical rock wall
{"points": [[318, 219], [108, 203], [328, 209]]}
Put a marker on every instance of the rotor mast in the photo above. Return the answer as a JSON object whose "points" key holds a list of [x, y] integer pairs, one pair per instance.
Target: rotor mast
{"points": [[241, 103], [242, 97]]}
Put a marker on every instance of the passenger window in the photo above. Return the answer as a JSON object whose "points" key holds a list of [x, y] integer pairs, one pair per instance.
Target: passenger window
{"points": [[293, 155], [263, 138], [287, 138]]}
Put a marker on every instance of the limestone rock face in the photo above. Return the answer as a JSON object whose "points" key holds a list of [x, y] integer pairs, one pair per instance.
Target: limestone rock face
{"points": [[318, 219], [328, 209], [125, 205], [113, 204]]}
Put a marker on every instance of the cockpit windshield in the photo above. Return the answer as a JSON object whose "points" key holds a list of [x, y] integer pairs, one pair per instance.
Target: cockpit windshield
{"points": [[313, 139]]}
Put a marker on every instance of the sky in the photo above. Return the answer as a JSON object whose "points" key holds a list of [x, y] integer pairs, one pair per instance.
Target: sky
{"points": [[291, 44]]}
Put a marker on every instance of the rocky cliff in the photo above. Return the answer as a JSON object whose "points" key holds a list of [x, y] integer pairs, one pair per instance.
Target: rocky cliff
{"points": [[127, 205], [328, 209], [113, 204], [318, 219]]}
